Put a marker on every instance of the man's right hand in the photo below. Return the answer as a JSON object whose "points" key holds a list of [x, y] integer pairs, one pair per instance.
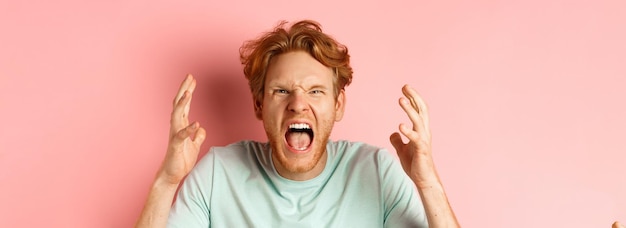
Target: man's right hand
{"points": [[182, 152], [185, 139]]}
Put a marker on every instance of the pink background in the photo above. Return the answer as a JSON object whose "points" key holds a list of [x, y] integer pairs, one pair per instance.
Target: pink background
{"points": [[527, 99]]}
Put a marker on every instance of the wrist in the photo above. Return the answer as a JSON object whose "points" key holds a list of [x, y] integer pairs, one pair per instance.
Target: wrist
{"points": [[163, 180], [429, 185], [426, 178]]}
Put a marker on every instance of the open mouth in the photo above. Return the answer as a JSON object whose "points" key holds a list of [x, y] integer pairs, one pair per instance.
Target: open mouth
{"points": [[299, 136]]}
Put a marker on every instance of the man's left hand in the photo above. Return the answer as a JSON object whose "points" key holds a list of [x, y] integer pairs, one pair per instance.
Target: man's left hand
{"points": [[416, 155]]}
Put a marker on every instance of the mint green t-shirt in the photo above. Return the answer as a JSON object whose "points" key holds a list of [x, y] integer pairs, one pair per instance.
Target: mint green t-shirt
{"points": [[237, 186]]}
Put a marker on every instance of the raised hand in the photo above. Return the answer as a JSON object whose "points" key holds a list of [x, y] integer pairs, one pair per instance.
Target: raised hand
{"points": [[182, 152], [185, 139], [416, 155], [416, 159]]}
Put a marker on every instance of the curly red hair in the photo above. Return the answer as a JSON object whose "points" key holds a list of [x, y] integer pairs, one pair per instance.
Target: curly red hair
{"points": [[305, 36]]}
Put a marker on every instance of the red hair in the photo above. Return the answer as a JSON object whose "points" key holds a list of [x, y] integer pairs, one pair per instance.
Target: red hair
{"points": [[305, 36]]}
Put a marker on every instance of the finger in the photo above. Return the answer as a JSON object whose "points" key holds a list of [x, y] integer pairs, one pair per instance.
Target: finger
{"points": [[409, 95], [186, 132], [403, 155], [192, 85], [409, 133], [396, 141], [418, 102], [421, 144], [179, 108], [184, 86], [200, 136], [414, 116], [190, 90], [180, 118]]}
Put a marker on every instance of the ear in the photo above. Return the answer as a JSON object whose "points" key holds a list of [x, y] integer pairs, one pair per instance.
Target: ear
{"points": [[340, 105], [258, 109]]}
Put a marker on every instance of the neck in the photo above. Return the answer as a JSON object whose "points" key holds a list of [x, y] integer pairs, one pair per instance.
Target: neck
{"points": [[301, 176]]}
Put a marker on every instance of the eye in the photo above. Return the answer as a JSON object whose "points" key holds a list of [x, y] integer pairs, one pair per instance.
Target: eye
{"points": [[281, 91], [317, 91]]}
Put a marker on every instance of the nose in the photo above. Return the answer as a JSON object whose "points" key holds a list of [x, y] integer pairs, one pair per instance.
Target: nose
{"points": [[298, 103]]}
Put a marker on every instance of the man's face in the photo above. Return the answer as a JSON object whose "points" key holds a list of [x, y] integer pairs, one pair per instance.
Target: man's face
{"points": [[298, 112]]}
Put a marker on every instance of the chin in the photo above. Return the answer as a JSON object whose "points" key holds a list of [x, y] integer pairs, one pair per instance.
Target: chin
{"points": [[298, 162]]}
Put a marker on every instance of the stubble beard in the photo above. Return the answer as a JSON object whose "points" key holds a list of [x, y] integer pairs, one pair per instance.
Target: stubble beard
{"points": [[293, 166]]}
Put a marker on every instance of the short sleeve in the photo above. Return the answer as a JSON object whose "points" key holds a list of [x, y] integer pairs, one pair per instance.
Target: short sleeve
{"points": [[191, 208], [403, 205]]}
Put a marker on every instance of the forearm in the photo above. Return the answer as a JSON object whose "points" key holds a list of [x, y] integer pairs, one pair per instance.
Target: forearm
{"points": [[158, 204], [438, 210]]}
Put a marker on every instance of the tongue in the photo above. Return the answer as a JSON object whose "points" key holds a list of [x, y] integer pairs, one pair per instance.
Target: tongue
{"points": [[298, 140]]}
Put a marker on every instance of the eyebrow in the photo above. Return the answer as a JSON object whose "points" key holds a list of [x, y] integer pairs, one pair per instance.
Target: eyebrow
{"points": [[318, 86], [281, 85]]}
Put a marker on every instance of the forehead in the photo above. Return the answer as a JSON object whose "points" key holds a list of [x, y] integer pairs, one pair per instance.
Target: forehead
{"points": [[298, 68]]}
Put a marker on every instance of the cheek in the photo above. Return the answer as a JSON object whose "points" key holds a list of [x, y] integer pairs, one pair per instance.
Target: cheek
{"points": [[272, 112], [325, 109], [268, 106]]}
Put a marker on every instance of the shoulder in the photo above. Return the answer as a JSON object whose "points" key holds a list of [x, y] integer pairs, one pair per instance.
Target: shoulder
{"points": [[236, 154], [360, 153], [345, 146], [358, 149], [237, 148]]}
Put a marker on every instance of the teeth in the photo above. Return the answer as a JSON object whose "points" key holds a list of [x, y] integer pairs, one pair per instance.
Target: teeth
{"points": [[299, 126]]}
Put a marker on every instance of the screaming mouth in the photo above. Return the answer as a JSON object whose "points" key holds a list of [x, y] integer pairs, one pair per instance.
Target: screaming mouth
{"points": [[299, 136]]}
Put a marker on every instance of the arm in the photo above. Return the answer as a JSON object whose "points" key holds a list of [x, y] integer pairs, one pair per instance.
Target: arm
{"points": [[416, 159], [182, 152]]}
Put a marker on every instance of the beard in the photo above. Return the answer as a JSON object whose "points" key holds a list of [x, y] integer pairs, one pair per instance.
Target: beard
{"points": [[299, 164]]}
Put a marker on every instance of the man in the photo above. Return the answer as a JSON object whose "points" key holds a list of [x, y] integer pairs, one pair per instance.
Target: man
{"points": [[299, 178]]}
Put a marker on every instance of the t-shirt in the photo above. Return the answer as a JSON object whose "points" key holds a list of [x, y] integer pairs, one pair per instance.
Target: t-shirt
{"points": [[237, 186]]}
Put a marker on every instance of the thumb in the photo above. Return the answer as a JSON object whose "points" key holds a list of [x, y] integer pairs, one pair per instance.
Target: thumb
{"points": [[186, 132], [200, 136], [396, 141]]}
